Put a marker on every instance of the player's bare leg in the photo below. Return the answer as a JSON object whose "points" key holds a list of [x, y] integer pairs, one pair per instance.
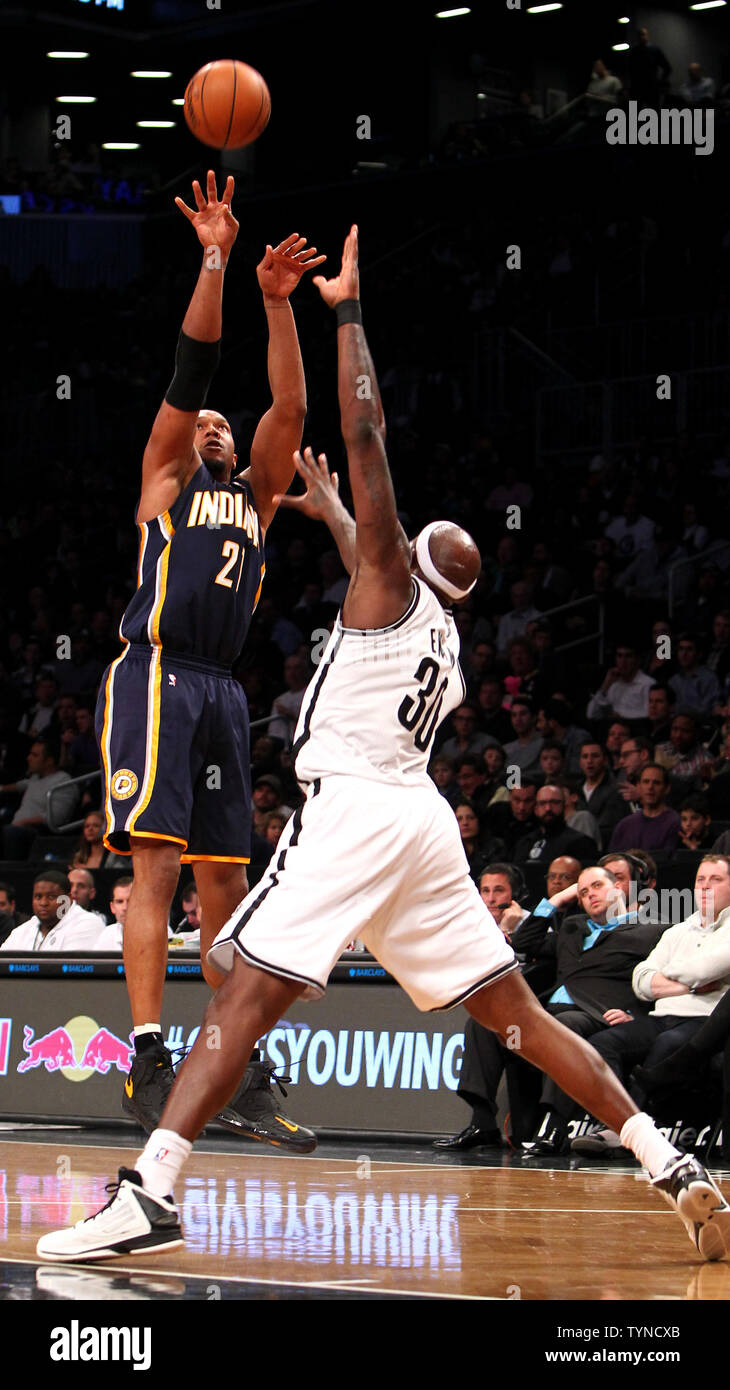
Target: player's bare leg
{"points": [[221, 887], [248, 1003], [511, 1010], [253, 1107], [156, 865]]}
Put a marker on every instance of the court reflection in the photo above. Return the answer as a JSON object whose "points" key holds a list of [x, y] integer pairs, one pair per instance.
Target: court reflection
{"points": [[308, 1221]]}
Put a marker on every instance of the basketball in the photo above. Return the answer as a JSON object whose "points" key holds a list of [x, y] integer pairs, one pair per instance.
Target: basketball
{"points": [[227, 104]]}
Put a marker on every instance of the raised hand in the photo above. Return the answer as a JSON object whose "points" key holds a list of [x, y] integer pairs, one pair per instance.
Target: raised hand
{"points": [[284, 265], [346, 285], [214, 222], [322, 492]]}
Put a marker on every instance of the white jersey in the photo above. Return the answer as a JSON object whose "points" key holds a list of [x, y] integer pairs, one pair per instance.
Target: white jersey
{"points": [[379, 695]]}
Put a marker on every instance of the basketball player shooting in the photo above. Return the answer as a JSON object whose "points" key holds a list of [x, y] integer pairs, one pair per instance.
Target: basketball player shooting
{"points": [[172, 723], [350, 862]]}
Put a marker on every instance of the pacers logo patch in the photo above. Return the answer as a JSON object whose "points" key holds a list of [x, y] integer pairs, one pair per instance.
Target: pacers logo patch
{"points": [[124, 784]]}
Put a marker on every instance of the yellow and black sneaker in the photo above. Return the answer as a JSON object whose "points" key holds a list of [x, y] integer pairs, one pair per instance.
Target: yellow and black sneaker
{"points": [[256, 1111], [148, 1085]]}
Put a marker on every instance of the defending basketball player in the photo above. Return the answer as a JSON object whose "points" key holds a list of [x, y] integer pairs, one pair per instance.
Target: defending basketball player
{"points": [[172, 723], [351, 861]]}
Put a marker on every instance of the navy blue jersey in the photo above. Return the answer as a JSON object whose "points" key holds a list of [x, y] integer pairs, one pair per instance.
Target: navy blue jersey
{"points": [[201, 565]]}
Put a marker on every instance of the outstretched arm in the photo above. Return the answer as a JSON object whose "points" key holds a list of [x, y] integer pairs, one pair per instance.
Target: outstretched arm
{"points": [[322, 502], [170, 458], [381, 581], [279, 431]]}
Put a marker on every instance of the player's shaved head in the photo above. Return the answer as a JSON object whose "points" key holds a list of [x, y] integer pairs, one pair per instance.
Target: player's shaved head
{"points": [[454, 556]]}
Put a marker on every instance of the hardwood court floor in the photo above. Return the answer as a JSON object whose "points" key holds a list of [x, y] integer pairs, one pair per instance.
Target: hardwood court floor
{"points": [[345, 1223]]}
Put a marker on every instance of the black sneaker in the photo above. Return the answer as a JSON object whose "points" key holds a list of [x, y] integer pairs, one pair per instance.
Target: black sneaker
{"points": [[690, 1190], [148, 1085], [255, 1111], [133, 1222]]}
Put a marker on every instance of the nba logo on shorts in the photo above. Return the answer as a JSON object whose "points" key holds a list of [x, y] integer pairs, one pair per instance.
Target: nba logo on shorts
{"points": [[172, 679]]}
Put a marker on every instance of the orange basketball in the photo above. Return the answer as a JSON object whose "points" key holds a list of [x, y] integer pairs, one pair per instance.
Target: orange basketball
{"points": [[227, 104]]}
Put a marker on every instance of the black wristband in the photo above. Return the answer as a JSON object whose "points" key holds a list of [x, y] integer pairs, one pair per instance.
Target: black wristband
{"points": [[195, 367], [348, 311]]}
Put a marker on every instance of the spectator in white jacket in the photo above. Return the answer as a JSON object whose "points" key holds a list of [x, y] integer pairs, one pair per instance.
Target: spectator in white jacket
{"points": [[57, 924]]}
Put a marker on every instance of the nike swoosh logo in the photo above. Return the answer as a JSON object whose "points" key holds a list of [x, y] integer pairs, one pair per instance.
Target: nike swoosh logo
{"points": [[129, 1087], [286, 1124]]}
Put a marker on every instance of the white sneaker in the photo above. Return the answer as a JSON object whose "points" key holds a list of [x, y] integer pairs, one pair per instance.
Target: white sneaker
{"points": [[132, 1223], [693, 1194]]}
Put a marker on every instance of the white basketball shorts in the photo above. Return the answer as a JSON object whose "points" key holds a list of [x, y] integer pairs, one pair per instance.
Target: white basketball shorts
{"points": [[380, 862]]}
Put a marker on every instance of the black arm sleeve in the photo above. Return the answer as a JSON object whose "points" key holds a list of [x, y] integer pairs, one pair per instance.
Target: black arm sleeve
{"points": [[195, 366]]}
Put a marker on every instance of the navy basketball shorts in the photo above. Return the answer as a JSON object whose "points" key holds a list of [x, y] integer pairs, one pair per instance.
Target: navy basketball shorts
{"points": [[174, 739]]}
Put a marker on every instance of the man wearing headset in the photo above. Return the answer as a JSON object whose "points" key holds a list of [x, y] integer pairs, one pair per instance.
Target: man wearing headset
{"points": [[503, 889]]}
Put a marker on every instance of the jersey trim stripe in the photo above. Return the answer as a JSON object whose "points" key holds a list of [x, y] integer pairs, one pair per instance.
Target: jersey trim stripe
{"points": [[214, 859], [258, 591], [306, 727], [153, 625], [365, 631], [105, 741], [154, 686], [490, 979]]}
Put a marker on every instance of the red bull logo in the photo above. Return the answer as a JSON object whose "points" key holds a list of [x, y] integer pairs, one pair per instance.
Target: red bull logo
{"points": [[52, 1050], [78, 1049]]}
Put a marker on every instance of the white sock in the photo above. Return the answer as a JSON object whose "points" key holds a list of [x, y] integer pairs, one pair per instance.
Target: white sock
{"points": [[147, 1028], [641, 1135], [161, 1160]]}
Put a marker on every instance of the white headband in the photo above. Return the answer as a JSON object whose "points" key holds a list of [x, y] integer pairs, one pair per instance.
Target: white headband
{"points": [[427, 566]]}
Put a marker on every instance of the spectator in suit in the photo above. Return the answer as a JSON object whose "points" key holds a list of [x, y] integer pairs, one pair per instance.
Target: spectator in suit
{"points": [[57, 923], [596, 951]]}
